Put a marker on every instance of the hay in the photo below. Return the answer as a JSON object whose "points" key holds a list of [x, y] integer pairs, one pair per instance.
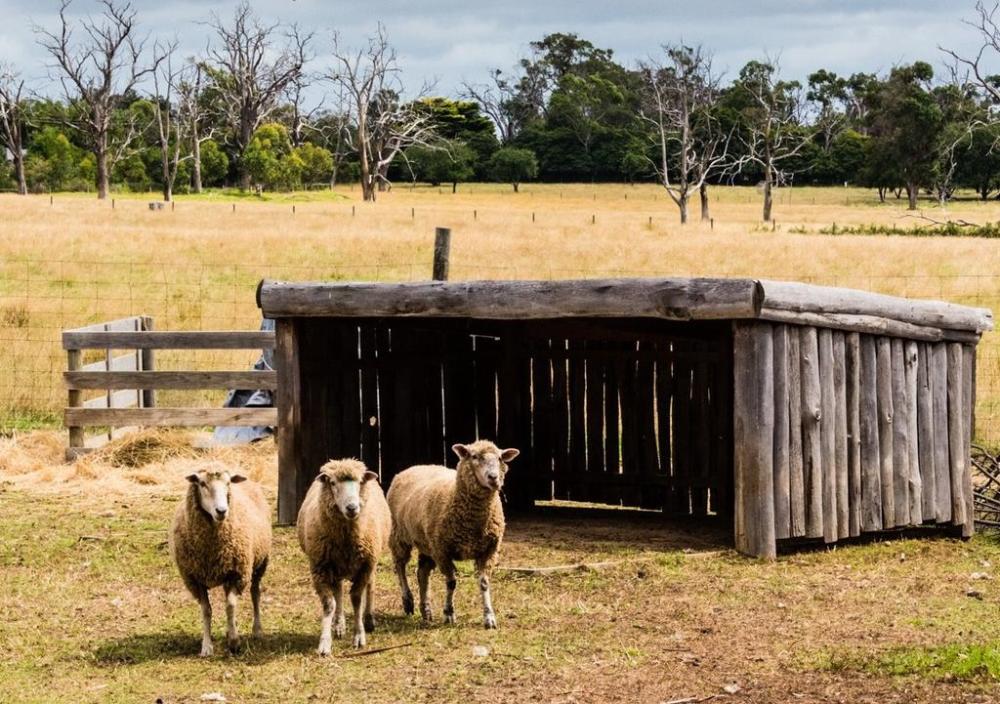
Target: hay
{"points": [[144, 448], [25, 453]]}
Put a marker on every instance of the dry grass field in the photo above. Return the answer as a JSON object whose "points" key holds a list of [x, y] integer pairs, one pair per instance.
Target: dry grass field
{"points": [[79, 261], [91, 609]]}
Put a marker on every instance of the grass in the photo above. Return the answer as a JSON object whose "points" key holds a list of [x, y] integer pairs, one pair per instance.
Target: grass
{"points": [[945, 229], [91, 610], [80, 261]]}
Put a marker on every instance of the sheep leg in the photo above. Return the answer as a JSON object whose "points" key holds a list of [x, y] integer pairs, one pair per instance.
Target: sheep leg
{"points": [[451, 581], [424, 566], [402, 559], [206, 623], [338, 594], [328, 602], [358, 589], [258, 574], [232, 637], [484, 572], [369, 600]]}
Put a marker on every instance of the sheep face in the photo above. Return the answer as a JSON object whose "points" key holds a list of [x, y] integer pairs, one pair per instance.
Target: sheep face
{"points": [[212, 487], [487, 461], [343, 480]]}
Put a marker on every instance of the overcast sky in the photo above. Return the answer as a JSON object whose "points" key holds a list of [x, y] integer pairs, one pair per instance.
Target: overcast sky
{"points": [[454, 41]]}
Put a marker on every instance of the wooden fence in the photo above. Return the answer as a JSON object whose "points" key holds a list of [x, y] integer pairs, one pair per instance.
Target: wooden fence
{"points": [[128, 381]]}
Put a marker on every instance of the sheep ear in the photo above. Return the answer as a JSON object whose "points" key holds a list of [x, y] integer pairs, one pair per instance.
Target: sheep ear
{"points": [[509, 454], [461, 450], [323, 477], [193, 478], [369, 476], [237, 478]]}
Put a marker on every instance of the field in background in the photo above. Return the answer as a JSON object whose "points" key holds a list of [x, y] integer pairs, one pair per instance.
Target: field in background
{"points": [[194, 267]]}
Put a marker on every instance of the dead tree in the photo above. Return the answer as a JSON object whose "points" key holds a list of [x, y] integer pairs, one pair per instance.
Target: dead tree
{"points": [[383, 125], [772, 128], [13, 121], [987, 24], [171, 127], [95, 72], [250, 74], [679, 100], [192, 110], [499, 100]]}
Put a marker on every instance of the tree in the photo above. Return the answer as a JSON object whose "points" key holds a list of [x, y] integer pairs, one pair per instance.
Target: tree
{"points": [[450, 161], [270, 159], [171, 128], [691, 144], [214, 163], [96, 73], [512, 165], [317, 163], [383, 126], [250, 74], [906, 123], [13, 121], [194, 111], [771, 129]]}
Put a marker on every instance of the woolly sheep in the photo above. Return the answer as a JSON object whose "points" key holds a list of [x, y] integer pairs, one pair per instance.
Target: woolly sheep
{"points": [[450, 515], [221, 536], [343, 528]]}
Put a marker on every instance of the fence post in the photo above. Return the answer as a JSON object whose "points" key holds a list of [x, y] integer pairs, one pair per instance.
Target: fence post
{"points": [[147, 363], [442, 252], [73, 358]]}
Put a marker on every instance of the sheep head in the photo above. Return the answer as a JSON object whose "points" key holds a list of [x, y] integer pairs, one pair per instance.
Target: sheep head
{"points": [[342, 481], [486, 461], [211, 486]]}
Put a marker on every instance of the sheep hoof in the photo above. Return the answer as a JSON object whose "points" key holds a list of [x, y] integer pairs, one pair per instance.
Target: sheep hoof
{"points": [[338, 630], [408, 604], [258, 632], [207, 650], [359, 640], [324, 648], [369, 623], [489, 622], [449, 617], [234, 645]]}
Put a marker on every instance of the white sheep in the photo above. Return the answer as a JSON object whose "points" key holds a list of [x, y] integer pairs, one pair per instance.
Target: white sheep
{"points": [[221, 536], [343, 528], [450, 515]]}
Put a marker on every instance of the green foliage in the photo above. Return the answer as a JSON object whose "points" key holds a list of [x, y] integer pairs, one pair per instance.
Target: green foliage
{"points": [[317, 163], [947, 229], [957, 661], [53, 163], [214, 164], [450, 161], [271, 161], [512, 165]]}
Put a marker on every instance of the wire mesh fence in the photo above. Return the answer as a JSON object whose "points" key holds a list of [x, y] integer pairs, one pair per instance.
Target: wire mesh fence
{"points": [[41, 297]]}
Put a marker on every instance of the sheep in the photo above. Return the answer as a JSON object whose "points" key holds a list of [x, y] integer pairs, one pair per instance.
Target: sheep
{"points": [[221, 535], [450, 515], [343, 527]]}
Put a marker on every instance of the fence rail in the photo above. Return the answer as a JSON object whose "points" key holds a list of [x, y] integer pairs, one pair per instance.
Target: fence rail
{"points": [[130, 381]]}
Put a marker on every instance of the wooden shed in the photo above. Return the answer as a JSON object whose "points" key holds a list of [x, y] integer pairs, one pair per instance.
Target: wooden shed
{"points": [[799, 411]]}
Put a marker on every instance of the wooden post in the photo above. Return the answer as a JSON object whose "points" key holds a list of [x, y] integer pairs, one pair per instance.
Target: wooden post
{"points": [[853, 400], [812, 447], [871, 471], [883, 349], [900, 448], [147, 361], [841, 439], [782, 484], [915, 484], [76, 436], [938, 370], [288, 399], [442, 253], [969, 397], [828, 429], [956, 434], [753, 422], [925, 434]]}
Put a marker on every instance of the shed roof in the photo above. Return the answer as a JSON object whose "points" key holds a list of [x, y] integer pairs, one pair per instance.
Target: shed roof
{"points": [[677, 299]]}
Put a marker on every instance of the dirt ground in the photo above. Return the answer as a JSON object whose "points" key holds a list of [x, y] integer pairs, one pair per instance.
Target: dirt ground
{"points": [[91, 609]]}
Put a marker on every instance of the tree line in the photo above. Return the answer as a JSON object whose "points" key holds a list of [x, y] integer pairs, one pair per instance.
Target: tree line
{"points": [[134, 113]]}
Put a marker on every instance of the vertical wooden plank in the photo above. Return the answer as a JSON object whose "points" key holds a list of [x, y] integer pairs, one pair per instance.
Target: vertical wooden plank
{"points": [[74, 399], [369, 398], [915, 485], [868, 421], [782, 491], [542, 408], [956, 434], [682, 436], [147, 359], [883, 348], [938, 370], [828, 430], [514, 419], [612, 434], [287, 398], [390, 463], [562, 467], [628, 391], [700, 438], [812, 445], [487, 352], [969, 399], [853, 399], [664, 386], [841, 435], [796, 471], [459, 373], [578, 422], [900, 446], [753, 414], [925, 434], [594, 378], [645, 404], [403, 400], [350, 391]]}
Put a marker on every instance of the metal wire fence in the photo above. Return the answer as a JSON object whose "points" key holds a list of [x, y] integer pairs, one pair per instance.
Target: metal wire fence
{"points": [[41, 297]]}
